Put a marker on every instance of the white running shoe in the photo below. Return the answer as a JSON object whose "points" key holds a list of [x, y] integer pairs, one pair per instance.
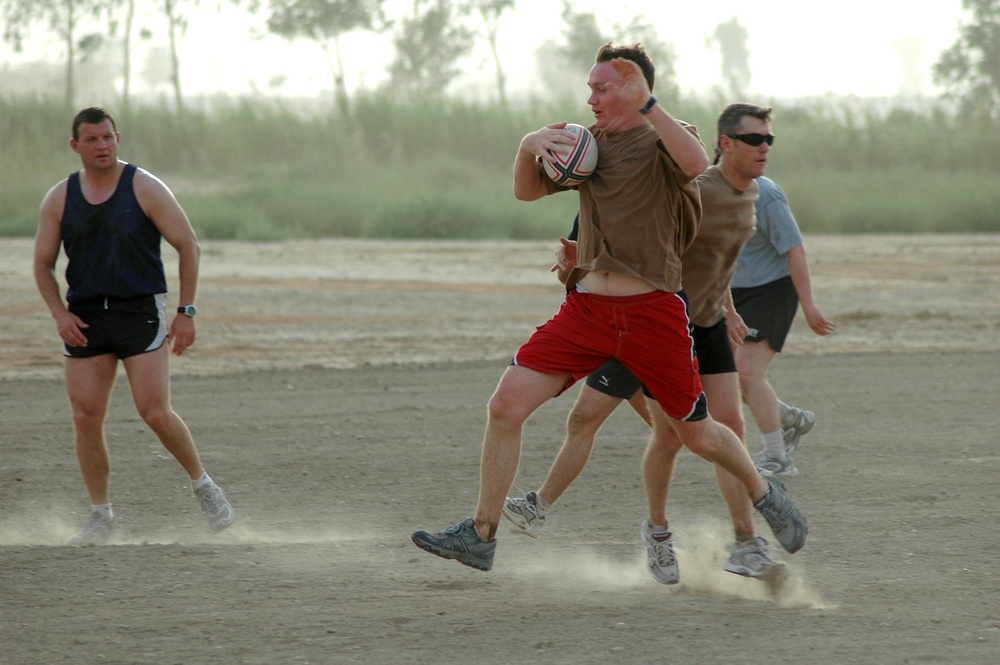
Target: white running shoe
{"points": [[804, 420], [779, 467], [97, 531], [660, 559], [753, 559], [215, 506], [525, 514]]}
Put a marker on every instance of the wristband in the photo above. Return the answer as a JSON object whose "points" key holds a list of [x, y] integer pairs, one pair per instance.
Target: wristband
{"points": [[649, 105]]}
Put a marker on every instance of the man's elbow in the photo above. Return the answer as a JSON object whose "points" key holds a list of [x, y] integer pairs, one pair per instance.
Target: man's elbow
{"points": [[695, 166]]}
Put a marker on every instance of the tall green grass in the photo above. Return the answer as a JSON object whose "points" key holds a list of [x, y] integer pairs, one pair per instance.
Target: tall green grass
{"points": [[269, 170]]}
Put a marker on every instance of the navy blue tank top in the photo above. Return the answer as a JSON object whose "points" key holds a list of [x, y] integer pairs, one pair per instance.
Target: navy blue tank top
{"points": [[113, 247]]}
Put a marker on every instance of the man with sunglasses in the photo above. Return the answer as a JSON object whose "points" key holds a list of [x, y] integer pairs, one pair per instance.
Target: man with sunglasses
{"points": [[770, 281], [728, 194], [638, 213]]}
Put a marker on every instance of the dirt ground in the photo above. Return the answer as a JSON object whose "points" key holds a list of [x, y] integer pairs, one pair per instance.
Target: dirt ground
{"points": [[337, 393]]}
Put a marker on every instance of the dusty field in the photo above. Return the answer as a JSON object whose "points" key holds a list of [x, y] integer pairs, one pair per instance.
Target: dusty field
{"points": [[337, 392]]}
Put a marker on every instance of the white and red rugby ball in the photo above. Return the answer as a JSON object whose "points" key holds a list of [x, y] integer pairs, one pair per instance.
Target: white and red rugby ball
{"points": [[574, 167]]}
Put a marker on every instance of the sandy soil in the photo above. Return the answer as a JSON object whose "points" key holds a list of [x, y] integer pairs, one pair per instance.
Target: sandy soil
{"points": [[337, 393]]}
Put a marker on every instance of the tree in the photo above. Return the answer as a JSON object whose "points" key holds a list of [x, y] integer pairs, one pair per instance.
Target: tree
{"points": [[731, 38], [62, 17], [325, 22], [970, 68], [177, 23], [429, 45], [491, 11], [565, 66]]}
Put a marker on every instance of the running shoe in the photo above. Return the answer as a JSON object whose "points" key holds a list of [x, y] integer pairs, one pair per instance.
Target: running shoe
{"points": [[785, 520], [525, 514], [752, 559], [804, 420], [97, 531], [215, 506], [461, 543], [779, 467], [660, 560]]}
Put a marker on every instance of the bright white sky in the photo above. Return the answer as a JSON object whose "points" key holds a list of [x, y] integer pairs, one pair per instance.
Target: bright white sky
{"points": [[798, 48]]}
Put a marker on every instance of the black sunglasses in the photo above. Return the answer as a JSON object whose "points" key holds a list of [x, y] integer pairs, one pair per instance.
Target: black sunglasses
{"points": [[753, 139]]}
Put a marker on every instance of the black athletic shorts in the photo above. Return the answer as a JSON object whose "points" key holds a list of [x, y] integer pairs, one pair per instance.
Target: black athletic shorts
{"points": [[124, 328], [768, 311], [715, 356]]}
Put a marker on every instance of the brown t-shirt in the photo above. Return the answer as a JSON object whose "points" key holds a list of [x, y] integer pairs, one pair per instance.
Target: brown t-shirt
{"points": [[638, 211], [727, 222]]}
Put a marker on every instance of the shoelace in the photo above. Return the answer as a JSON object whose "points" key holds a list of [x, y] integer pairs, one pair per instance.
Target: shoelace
{"points": [[664, 552]]}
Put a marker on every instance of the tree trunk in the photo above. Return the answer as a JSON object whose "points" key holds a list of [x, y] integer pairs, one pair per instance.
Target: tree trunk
{"points": [[70, 56], [175, 65], [127, 62]]}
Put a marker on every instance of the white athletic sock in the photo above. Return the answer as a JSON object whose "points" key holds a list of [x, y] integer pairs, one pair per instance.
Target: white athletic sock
{"points": [[200, 481], [658, 528], [543, 505], [103, 509], [774, 444]]}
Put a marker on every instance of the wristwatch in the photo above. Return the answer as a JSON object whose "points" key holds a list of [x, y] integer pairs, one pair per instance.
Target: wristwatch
{"points": [[187, 310]]}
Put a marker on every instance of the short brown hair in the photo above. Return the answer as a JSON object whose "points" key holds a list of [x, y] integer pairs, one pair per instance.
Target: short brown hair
{"points": [[92, 115], [636, 53], [732, 116]]}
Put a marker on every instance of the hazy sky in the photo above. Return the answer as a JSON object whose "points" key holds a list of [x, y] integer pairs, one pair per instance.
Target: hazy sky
{"points": [[797, 47]]}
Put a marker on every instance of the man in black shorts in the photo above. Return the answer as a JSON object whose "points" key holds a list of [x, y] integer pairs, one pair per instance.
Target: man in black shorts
{"points": [[110, 217], [770, 281]]}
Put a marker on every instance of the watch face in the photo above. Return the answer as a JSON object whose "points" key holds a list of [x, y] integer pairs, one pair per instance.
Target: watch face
{"points": [[190, 310]]}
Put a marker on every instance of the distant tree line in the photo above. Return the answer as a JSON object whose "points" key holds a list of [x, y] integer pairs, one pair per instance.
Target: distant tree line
{"points": [[433, 37]]}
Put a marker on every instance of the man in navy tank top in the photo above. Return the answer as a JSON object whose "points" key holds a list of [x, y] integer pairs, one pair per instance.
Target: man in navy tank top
{"points": [[109, 218]]}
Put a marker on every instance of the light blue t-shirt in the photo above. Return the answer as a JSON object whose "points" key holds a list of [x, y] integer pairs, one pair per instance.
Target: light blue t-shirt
{"points": [[764, 258]]}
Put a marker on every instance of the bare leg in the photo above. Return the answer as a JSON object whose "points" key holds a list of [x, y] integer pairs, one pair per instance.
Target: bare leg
{"points": [[88, 384], [719, 445], [591, 409], [723, 395], [520, 392], [752, 362], [149, 378]]}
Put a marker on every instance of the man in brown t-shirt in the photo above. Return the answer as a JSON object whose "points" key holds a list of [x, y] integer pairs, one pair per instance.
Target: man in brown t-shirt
{"points": [[639, 211], [728, 194]]}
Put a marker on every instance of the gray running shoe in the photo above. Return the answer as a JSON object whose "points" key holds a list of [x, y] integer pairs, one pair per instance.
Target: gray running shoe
{"points": [[785, 520], [778, 467], [524, 513], [461, 543], [804, 420], [213, 503], [97, 531], [752, 559], [660, 560]]}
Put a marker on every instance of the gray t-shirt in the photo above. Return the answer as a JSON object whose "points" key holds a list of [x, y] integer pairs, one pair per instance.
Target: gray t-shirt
{"points": [[764, 258]]}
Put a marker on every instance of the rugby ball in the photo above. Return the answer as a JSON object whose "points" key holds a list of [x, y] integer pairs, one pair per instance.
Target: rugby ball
{"points": [[576, 165]]}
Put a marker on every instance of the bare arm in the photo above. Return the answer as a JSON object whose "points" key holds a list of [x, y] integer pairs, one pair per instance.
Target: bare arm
{"points": [[48, 240], [803, 287], [685, 149], [160, 206], [529, 180], [734, 322]]}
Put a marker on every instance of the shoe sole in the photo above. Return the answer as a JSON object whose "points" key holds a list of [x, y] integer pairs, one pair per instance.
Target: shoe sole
{"points": [[450, 554], [777, 573]]}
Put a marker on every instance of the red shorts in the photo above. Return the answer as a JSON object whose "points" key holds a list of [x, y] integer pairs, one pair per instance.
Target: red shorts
{"points": [[647, 333]]}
